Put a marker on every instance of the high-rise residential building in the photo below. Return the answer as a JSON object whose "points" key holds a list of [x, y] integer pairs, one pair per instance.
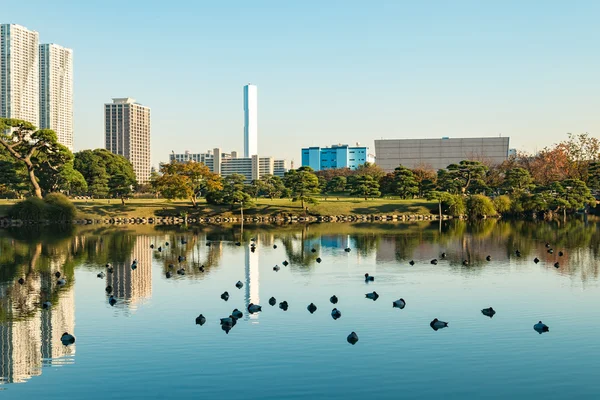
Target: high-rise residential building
{"points": [[250, 121], [56, 91], [19, 73], [127, 133], [336, 156], [439, 153]]}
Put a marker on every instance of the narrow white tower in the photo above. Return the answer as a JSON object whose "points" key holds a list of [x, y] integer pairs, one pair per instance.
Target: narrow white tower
{"points": [[250, 120]]}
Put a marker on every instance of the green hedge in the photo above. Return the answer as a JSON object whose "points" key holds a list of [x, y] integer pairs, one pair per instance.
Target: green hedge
{"points": [[55, 207]]}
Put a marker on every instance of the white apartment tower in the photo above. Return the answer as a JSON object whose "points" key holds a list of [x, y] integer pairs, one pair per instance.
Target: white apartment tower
{"points": [[56, 92], [127, 133], [19, 73], [250, 121]]}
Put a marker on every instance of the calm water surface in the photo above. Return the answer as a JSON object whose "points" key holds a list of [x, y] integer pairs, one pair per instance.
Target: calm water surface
{"points": [[148, 345]]}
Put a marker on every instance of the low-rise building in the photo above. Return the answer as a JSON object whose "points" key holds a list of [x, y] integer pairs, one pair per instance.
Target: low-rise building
{"points": [[336, 156], [226, 164]]}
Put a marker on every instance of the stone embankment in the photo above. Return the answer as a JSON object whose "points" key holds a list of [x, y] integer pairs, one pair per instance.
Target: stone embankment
{"points": [[250, 219]]}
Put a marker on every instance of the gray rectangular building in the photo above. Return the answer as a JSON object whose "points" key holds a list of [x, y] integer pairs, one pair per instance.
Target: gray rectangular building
{"points": [[439, 153]]}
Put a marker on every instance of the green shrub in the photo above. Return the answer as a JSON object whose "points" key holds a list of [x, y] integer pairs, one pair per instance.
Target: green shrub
{"points": [[480, 206], [28, 209], [54, 207], [502, 204], [455, 204], [59, 207]]}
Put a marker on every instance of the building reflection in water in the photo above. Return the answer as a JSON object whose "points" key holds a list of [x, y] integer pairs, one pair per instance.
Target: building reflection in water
{"points": [[133, 286], [252, 275], [30, 336]]}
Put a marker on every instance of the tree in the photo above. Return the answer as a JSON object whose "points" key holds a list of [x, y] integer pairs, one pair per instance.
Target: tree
{"points": [[548, 165], [329, 174], [232, 191], [386, 184], [370, 169], [517, 180], [365, 186], [120, 186], [577, 194], [253, 189], [425, 177], [271, 186], [458, 178], [581, 150], [438, 196], [99, 168], [336, 185], [13, 175], [33, 148], [468, 173], [303, 183], [405, 185], [67, 180], [173, 186], [447, 182], [594, 176], [196, 177]]}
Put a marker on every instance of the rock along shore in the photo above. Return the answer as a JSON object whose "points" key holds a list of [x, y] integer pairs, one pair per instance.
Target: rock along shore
{"points": [[5, 222]]}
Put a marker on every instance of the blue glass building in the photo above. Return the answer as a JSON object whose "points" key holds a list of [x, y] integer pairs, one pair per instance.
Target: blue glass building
{"points": [[336, 156]]}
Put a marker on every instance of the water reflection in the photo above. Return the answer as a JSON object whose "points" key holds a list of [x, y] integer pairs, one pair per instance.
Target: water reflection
{"points": [[252, 276], [30, 336], [133, 285]]}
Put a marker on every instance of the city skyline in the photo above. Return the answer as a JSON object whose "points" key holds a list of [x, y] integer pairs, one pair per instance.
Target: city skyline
{"points": [[387, 71]]}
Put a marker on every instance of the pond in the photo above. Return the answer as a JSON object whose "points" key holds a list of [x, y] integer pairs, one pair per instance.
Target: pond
{"points": [[148, 344]]}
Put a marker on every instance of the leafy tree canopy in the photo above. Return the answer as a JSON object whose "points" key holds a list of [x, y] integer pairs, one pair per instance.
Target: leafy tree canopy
{"points": [[36, 149], [303, 184]]}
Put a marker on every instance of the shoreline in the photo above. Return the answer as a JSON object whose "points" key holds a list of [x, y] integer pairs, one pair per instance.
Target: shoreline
{"points": [[212, 220]]}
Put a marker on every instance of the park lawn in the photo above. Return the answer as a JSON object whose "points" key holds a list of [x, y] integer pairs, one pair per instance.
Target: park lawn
{"points": [[145, 208]]}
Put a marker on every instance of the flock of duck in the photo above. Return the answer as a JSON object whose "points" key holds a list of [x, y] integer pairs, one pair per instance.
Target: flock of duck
{"points": [[227, 323]]}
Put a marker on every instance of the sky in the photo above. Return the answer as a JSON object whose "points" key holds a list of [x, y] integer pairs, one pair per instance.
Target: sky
{"points": [[329, 72]]}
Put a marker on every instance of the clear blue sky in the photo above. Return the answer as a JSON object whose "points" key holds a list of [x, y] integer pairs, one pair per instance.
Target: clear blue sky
{"points": [[329, 71]]}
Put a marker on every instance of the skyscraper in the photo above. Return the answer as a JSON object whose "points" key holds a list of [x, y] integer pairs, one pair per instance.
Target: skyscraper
{"points": [[127, 133], [250, 120], [56, 92], [19, 73]]}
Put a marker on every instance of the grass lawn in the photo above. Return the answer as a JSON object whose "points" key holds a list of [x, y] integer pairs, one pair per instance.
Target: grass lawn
{"points": [[141, 208]]}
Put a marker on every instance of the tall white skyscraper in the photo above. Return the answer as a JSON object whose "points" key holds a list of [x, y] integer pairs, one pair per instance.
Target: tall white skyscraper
{"points": [[56, 92], [19, 73], [127, 133], [250, 120]]}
